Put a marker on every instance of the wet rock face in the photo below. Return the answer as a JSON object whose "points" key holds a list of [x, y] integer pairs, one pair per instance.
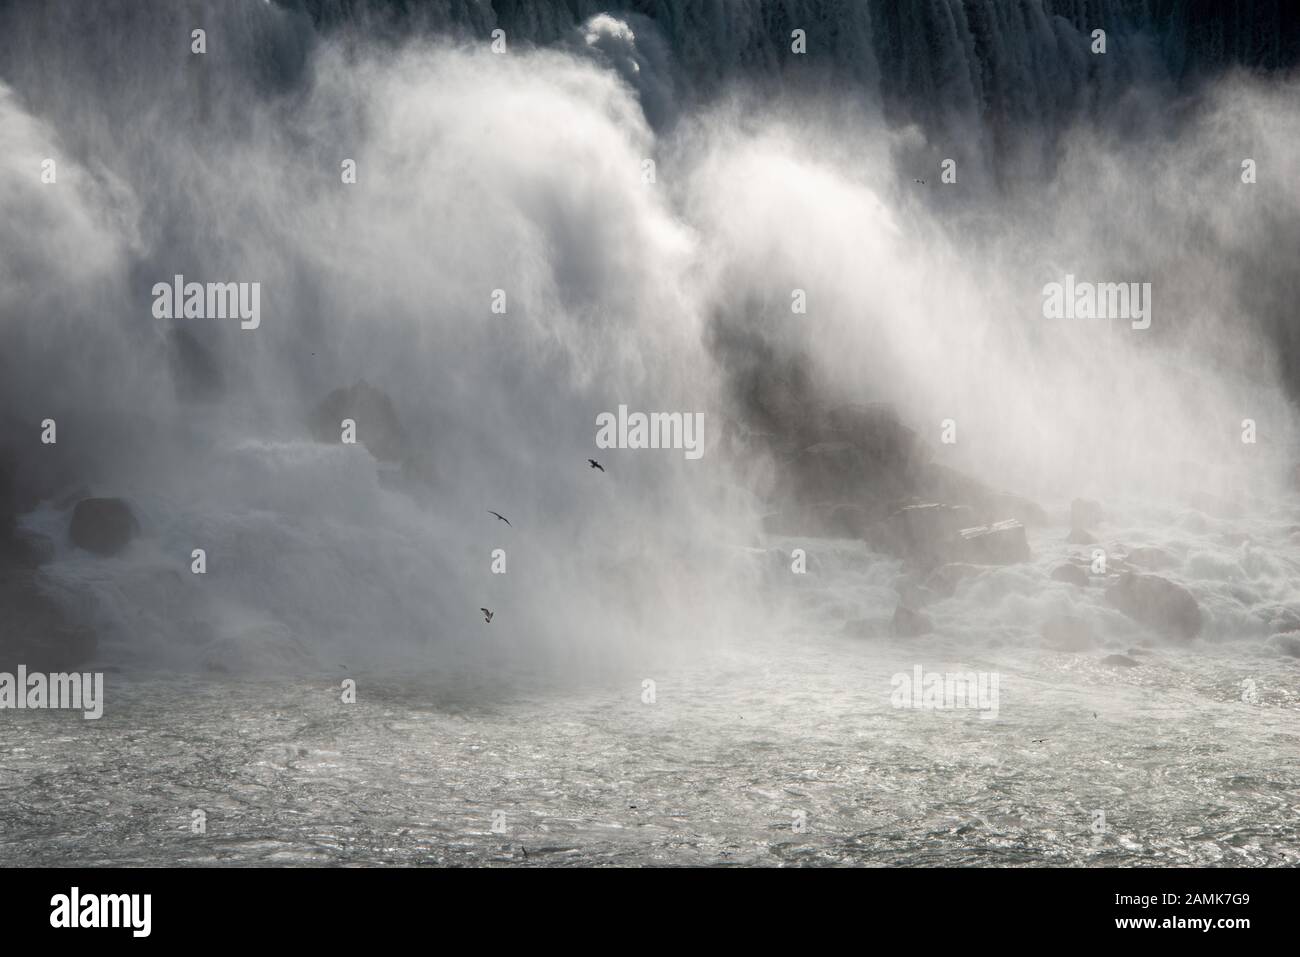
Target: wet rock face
{"points": [[1157, 603], [104, 526], [857, 455]]}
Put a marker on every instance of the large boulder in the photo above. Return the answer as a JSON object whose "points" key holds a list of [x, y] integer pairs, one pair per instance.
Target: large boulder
{"points": [[921, 534], [1157, 603], [104, 526], [372, 410]]}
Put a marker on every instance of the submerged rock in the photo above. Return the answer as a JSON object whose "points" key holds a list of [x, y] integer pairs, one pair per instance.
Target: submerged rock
{"points": [[104, 526], [1158, 604]]}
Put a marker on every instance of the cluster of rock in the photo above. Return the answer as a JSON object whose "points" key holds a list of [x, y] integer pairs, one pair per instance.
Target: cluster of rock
{"points": [[857, 472]]}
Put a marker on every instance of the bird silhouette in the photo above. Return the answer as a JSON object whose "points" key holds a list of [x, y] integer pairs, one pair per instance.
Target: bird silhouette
{"points": [[487, 615], [596, 465], [500, 516]]}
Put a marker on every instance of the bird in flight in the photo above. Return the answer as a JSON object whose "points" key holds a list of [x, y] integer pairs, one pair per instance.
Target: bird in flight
{"points": [[596, 465], [500, 516], [921, 181], [487, 615]]}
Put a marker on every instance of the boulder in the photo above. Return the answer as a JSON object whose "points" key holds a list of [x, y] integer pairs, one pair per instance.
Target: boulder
{"points": [[1079, 536], [922, 534], [1070, 574], [1002, 543], [104, 526], [1157, 603], [377, 426]]}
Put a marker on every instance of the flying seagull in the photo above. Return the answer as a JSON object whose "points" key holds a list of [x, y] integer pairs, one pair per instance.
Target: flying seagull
{"points": [[500, 516], [596, 465], [921, 181], [487, 615]]}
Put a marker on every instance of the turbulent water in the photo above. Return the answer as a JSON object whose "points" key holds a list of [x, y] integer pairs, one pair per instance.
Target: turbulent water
{"points": [[785, 749], [716, 771], [647, 188]]}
